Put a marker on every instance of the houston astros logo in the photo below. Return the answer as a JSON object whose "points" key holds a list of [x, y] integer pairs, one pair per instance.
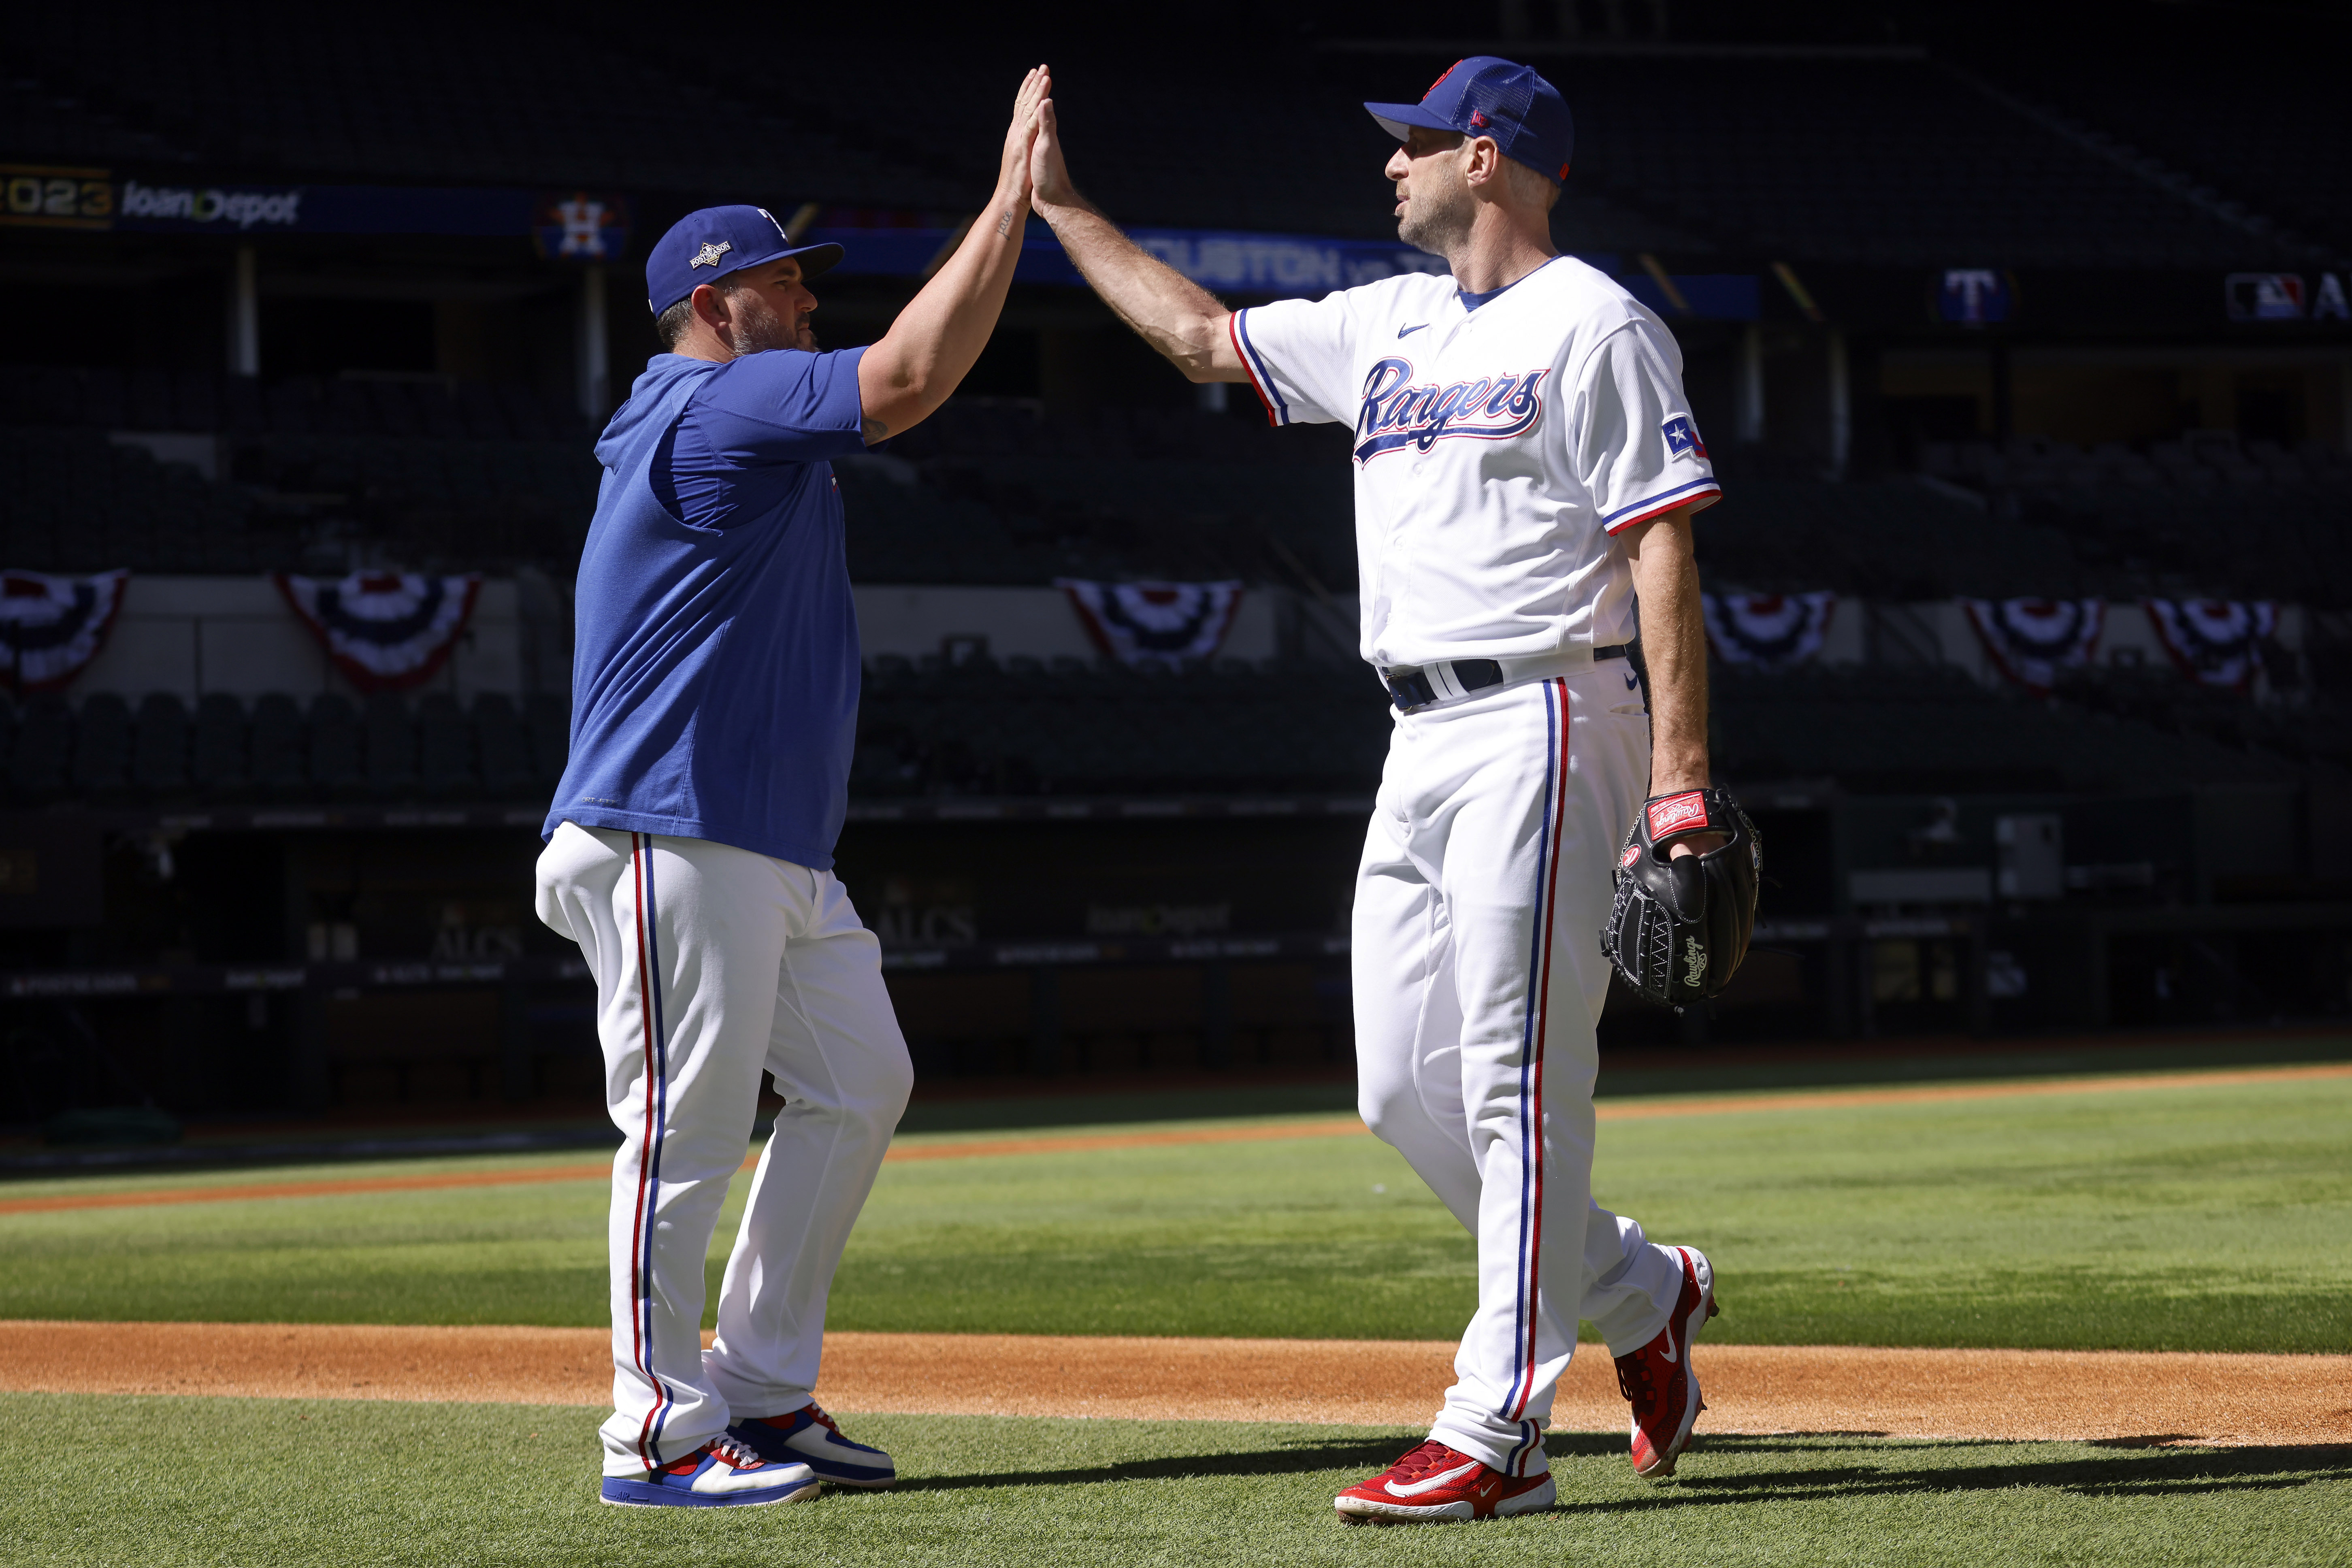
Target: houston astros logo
{"points": [[1395, 415], [709, 254]]}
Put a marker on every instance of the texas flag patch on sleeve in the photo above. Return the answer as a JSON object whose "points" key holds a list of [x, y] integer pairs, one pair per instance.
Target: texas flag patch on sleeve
{"points": [[1682, 438]]}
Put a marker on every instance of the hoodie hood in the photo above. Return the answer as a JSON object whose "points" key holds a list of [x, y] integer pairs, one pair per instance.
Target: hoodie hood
{"points": [[657, 399]]}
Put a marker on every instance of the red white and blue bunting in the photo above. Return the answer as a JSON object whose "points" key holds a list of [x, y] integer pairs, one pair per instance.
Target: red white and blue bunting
{"points": [[51, 627], [1154, 622], [384, 630], [2032, 639], [2215, 641], [1771, 630]]}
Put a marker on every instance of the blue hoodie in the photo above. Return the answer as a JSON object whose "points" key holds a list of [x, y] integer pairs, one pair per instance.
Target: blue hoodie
{"points": [[714, 678]]}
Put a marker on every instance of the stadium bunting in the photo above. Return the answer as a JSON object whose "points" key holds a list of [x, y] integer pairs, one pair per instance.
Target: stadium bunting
{"points": [[1771, 630], [1154, 622], [51, 627], [384, 630], [2032, 640], [2217, 642]]}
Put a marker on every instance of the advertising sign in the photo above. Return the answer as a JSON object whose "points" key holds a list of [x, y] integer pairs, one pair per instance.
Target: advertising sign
{"points": [[580, 227], [34, 196], [2284, 297], [1974, 297]]}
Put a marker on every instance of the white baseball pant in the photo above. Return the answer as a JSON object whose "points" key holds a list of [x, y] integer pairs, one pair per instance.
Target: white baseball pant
{"points": [[713, 964], [1487, 876]]}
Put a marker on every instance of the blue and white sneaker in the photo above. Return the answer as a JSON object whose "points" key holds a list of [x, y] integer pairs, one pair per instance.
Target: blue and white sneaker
{"points": [[808, 1436], [723, 1473]]}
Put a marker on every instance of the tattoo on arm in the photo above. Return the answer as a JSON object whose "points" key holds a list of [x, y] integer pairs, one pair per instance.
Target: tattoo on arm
{"points": [[1004, 224], [872, 429]]}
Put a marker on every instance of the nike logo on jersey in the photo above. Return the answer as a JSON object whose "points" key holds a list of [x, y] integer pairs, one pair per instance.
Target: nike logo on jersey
{"points": [[1414, 1489], [1395, 415], [1408, 332]]}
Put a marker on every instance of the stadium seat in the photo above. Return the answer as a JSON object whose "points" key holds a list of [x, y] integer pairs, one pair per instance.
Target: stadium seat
{"points": [[220, 764], [44, 747], [445, 745], [159, 748], [390, 748], [101, 753], [338, 749], [281, 748], [504, 743], [550, 722]]}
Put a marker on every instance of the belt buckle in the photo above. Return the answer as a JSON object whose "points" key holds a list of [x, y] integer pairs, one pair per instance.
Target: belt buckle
{"points": [[1409, 688]]}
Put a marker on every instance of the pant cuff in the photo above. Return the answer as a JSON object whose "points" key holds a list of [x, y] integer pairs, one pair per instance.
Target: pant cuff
{"points": [[1512, 1452], [673, 1449]]}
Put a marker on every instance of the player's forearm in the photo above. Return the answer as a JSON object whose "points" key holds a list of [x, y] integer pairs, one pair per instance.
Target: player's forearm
{"points": [[1674, 647], [1167, 309], [937, 339]]}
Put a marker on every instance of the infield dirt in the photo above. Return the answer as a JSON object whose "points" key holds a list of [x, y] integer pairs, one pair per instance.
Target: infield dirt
{"points": [[2112, 1396]]}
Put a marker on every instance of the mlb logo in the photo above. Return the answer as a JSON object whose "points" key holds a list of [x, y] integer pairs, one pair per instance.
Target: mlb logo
{"points": [[1682, 438], [2264, 296]]}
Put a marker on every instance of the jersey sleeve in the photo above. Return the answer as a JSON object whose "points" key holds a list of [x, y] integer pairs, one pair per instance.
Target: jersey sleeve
{"points": [[782, 407], [1633, 439], [1300, 356]]}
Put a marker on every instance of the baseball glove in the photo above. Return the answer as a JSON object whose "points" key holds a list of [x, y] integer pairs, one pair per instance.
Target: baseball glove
{"points": [[1678, 929]]}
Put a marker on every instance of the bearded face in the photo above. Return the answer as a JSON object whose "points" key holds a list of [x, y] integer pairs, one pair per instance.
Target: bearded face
{"points": [[755, 325]]}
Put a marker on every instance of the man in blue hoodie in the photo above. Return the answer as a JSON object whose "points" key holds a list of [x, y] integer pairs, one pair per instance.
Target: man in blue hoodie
{"points": [[690, 848]]}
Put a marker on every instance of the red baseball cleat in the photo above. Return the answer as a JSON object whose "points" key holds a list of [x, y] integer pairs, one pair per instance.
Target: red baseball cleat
{"points": [[1433, 1483], [1658, 1380]]}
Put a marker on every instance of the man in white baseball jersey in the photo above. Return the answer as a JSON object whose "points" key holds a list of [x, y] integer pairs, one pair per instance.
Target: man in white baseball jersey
{"points": [[1526, 468], [690, 842]]}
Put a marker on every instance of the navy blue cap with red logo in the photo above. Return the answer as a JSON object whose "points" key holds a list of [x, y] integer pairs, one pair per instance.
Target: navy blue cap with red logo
{"points": [[1484, 96], [704, 246]]}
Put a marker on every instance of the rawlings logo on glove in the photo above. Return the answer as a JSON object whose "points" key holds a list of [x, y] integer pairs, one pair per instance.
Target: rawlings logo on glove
{"points": [[1678, 928], [1672, 814]]}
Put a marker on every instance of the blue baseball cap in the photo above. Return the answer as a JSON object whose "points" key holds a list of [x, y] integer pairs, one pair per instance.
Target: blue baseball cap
{"points": [[1484, 96], [704, 246]]}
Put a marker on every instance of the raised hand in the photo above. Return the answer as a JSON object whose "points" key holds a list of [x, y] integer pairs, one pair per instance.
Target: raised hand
{"points": [[1049, 177], [1013, 176]]}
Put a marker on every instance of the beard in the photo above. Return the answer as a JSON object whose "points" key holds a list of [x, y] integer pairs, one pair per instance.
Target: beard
{"points": [[1436, 217], [755, 327]]}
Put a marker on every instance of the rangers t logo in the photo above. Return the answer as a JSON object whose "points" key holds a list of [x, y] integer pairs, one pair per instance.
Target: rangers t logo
{"points": [[1682, 438], [1395, 415]]}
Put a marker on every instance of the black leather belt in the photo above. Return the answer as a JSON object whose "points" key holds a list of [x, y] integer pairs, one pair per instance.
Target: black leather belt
{"points": [[1412, 687]]}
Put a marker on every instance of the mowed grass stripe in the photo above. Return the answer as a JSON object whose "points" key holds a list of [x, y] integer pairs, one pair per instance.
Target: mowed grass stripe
{"points": [[332, 1481], [1319, 1127], [2215, 1219]]}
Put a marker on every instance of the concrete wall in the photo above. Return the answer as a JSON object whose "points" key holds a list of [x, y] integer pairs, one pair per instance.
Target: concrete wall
{"points": [[1028, 623], [190, 635], [195, 634]]}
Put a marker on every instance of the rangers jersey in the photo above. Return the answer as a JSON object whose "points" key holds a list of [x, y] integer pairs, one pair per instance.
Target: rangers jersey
{"points": [[1501, 440]]}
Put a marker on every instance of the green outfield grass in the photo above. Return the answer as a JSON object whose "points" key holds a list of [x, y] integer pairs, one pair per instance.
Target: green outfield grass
{"points": [[2208, 1217], [161, 1483]]}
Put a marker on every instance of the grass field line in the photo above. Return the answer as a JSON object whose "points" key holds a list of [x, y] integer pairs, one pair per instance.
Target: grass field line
{"points": [[1259, 1131], [2027, 1396]]}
